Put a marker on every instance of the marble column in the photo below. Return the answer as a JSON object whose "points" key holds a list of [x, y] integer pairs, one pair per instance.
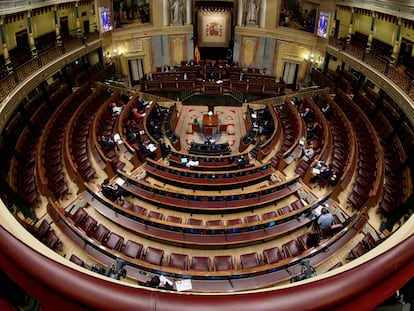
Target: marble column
{"points": [[6, 55], [32, 45], [78, 25], [333, 30], [166, 12], [396, 49], [188, 12], [94, 17], [371, 33], [350, 30], [262, 18], [239, 12], [57, 26]]}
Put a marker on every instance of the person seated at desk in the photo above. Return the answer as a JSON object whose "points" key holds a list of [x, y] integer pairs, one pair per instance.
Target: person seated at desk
{"points": [[307, 115], [243, 162], [142, 105], [307, 153], [210, 141], [116, 110], [325, 219], [136, 114], [150, 147], [112, 192], [132, 136], [159, 282], [196, 122], [107, 142], [141, 150], [321, 173], [327, 110], [314, 130]]}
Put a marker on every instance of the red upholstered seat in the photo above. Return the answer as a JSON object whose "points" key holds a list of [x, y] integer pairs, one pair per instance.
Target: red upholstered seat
{"points": [[235, 221], [195, 127], [179, 261], [79, 216], [200, 263], [132, 249], [283, 210], [291, 249], [216, 222], [193, 221], [251, 218], [153, 255], [51, 240], [43, 228], [156, 215], [337, 265], [297, 204], [358, 250], [269, 215], [114, 241], [75, 259], [272, 255], [100, 233], [88, 225], [208, 130], [369, 241], [223, 263], [249, 260], [141, 210], [79, 261], [303, 241], [175, 219]]}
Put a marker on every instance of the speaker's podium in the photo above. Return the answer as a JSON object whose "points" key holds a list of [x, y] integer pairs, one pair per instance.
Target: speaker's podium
{"points": [[210, 123]]}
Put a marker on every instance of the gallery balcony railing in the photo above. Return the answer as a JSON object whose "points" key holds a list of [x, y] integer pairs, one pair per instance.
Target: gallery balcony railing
{"points": [[395, 74], [25, 71]]}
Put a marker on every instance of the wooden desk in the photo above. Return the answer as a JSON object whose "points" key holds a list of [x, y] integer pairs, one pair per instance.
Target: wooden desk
{"points": [[210, 122]]}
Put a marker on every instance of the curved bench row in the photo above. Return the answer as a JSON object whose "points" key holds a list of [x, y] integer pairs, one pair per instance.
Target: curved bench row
{"points": [[49, 167], [211, 202], [294, 129], [206, 162], [253, 228], [344, 156], [370, 175], [241, 279], [193, 179]]}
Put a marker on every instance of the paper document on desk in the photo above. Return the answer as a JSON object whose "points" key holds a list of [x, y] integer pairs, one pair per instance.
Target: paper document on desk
{"points": [[117, 138], [317, 210], [151, 147], [119, 181], [315, 171], [183, 285]]}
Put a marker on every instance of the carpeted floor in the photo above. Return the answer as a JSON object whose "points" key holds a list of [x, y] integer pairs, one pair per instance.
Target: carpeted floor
{"points": [[230, 119]]}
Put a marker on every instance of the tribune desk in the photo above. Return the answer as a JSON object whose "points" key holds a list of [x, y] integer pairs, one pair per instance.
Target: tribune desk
{"points": [[210, 124]]}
